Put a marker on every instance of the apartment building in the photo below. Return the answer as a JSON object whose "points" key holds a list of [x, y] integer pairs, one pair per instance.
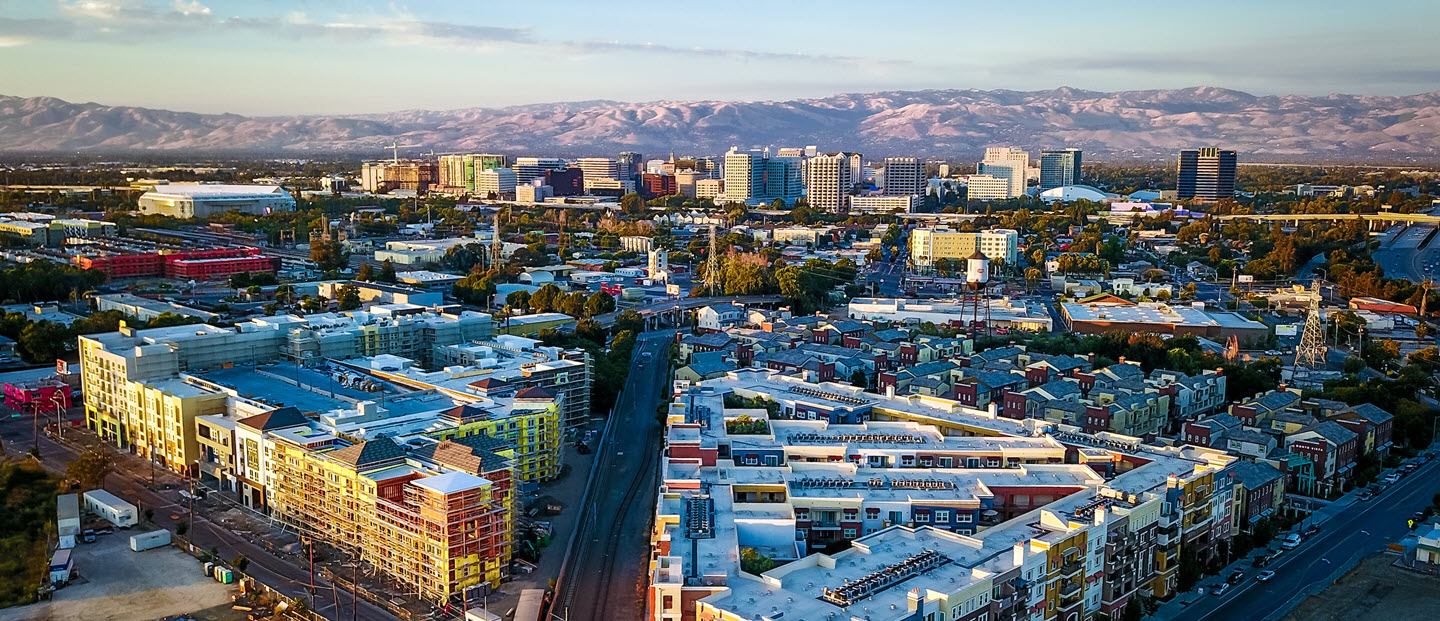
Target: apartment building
{"points": [[497, 181], [1059, 168], [437, 517], [136, 399], [755, 177], [828, 183], [1036, 545], [930, 245]]}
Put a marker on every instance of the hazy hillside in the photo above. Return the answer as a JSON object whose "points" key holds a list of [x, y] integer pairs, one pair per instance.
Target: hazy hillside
{"points": [[1132, 124]]}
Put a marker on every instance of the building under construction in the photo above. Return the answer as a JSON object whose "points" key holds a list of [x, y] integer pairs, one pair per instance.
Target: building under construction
{"points": [[435, 516]]}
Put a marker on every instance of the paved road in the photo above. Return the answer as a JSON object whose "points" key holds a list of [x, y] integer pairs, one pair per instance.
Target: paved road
{"points": [[1362, 529], [130, 482], [604, 579], [887, 278]]}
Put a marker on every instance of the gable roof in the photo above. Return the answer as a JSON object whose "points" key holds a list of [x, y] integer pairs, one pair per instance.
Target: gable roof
{"points": [[534, 393], [279, 418], [1369, 412], [368, 453], [472, 454]]}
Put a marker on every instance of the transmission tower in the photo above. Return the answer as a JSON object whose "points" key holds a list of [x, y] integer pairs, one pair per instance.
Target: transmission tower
{"points": [[1310, 355], [712, 267], [496, 246]]}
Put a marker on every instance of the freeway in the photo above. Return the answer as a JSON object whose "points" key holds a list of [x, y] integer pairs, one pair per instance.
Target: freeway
{"points": [[603, 575], [1362, 529]]}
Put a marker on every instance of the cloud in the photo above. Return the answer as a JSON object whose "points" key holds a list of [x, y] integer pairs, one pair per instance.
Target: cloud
{"points": [[139, 22]]}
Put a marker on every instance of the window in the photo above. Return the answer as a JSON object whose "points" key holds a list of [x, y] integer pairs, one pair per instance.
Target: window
{"points": [[751, 460], [942, 516], [964, 517], [945, 462], [921, 516], [871, 513], [849, 533]]}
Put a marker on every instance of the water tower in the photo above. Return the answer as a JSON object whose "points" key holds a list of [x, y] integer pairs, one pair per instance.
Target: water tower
{"points": [[977, 277]]}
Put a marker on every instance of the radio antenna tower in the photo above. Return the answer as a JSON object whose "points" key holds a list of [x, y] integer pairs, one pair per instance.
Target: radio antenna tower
{"points": [[1310, 355], [712, 267]]}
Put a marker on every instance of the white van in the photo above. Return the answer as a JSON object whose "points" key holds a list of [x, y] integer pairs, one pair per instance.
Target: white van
{"points": [[1291, 541]]}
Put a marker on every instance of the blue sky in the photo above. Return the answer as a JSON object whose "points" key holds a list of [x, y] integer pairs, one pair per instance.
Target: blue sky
{"points": [[355, 56]]}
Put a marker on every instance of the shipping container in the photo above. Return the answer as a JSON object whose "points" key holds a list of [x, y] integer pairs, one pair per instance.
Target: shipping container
{"points": [[109, 506], [150, 540]]}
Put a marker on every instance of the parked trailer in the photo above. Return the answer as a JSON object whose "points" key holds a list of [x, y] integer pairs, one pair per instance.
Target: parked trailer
{"points": [[109, 506], [67, 519], [60, 567], [150, 540]]}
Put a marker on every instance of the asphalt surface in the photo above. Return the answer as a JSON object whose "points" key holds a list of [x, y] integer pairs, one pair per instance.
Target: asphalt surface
{"points": [[130, 481], [884, 278], [1362, 529], [604, 578]]}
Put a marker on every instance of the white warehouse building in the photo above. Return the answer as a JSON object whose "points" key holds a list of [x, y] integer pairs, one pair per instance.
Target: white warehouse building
{"points": [[204, 200]]}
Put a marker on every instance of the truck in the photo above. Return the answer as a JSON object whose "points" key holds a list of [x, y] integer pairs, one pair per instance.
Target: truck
{"points": [[67, 519], [109, 506], [150, 540], [60, 567]]}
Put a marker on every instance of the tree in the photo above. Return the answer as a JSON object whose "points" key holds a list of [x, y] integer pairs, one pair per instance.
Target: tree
{"points": [[349, 297], [599, 303], [574, 304], [91, 469], [629, 319], [240, 563], [387, 272], [632, 204], [546, 298], [518, 300], [329, 255], [366, 273], [754, 562], [858, 378], [44, 342]]}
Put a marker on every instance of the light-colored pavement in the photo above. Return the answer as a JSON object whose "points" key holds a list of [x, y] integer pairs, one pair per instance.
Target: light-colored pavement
{"points": [[117, 584]]}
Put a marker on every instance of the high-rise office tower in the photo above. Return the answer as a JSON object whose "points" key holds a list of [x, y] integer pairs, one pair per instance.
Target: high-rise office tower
{"points": [[1008, 163], [599, 167], [904, 176], [1207, 173], [631, 164], [1058, 168], [527, 169], [754, 177], [827, 181]]}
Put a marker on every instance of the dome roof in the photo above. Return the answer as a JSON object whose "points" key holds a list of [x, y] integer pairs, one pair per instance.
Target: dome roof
{"points": [[1069, 193]]}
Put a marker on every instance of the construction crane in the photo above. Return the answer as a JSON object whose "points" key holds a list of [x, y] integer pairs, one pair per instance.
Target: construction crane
{"points": [[395, 150]]}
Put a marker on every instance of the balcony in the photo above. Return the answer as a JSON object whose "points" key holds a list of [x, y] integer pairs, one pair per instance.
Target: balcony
{"points": [[1072, 568], [1069, 588], [1071, 603]]}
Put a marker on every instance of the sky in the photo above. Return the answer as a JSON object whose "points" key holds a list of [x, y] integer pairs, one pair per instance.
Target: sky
{"points": [[270, 57]]}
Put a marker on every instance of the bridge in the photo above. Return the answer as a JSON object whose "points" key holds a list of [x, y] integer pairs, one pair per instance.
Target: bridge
{"points": [[1370, 218], [672, 313]]}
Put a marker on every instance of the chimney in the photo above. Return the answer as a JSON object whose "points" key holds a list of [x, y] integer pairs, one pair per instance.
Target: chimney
{"points": [[890, 390], [914, 602]]}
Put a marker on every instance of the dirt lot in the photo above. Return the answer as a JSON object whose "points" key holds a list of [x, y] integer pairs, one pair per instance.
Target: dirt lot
{"points": [[1375, 589], [116, 584]]}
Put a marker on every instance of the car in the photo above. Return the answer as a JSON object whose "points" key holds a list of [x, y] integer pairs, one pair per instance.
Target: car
{"points": [[1264, 576], [1220, 589], [1365, 496], [88, 536], [1311, 530], [1408, 468], [1260, 561], [1236, 577], [1390, 479], [1291, 541]]}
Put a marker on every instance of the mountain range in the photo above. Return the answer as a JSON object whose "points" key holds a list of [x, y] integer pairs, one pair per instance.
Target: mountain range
{"points": [[1136, 125]]}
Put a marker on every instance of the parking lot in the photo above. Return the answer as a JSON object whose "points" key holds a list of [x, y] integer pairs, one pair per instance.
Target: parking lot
{"points": [[116, 584]]}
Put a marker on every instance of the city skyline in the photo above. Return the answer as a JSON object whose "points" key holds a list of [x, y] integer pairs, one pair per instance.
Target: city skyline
{"points": [[241, 57]]}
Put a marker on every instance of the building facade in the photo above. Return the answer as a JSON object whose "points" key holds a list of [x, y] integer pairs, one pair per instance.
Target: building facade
{"points": [[1008, 163], [1059, 168], [1206, 174]]}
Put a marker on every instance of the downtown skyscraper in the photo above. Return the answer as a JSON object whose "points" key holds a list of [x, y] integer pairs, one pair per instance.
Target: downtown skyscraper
{"points": [[1207, 174], [1059, 168]]}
